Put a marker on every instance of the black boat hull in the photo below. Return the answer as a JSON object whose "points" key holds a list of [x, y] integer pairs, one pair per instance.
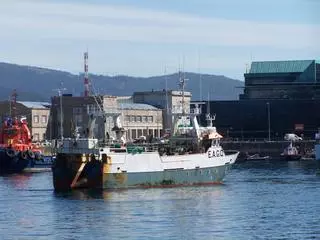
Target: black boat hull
{"points": [[12, 163]]}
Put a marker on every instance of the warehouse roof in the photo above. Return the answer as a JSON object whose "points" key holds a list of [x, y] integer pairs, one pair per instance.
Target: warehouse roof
{"points": [[137, 106], [41, 105]]}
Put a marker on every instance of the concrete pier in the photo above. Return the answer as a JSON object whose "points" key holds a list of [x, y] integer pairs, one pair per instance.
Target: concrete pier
{"points": [[269, 148]]}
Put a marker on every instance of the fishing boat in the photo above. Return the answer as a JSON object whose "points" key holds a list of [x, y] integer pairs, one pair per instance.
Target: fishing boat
{"points": [[17, 151], [191, 156], [83, 163]]}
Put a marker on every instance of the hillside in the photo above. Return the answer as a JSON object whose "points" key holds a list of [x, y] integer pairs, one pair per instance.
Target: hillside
{"points": [[39, 84]]}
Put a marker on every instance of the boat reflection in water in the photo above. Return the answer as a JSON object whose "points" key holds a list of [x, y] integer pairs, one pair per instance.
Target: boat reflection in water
{"points": [[18, 181], [136, 195]]}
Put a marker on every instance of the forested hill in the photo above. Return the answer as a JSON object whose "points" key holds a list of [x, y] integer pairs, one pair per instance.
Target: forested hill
{"points": [[38, 84]]}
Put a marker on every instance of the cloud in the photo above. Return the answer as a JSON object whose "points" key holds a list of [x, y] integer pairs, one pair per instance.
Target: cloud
{"points": [[139, 41], [29, 19]]}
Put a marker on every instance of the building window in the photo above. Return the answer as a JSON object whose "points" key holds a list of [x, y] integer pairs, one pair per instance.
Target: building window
{"points": [[138, 118], [44, 119], [128, 134], [161, 132], [92, 108], [134, 133], [145, 132], [150, 131], [36, 119], [127, 118], [132, 118], [78, 120], [77, 110], [36, 137], [144, 118], [150, 118]]}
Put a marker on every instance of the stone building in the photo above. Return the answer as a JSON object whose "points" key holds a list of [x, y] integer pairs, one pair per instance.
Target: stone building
{"points": [[137, 119], [37, 114], [140, 119], [169, 101], [69, 112]]}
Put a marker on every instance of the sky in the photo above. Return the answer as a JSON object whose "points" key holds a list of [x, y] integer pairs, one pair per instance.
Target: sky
{"points": [[153, 37]]}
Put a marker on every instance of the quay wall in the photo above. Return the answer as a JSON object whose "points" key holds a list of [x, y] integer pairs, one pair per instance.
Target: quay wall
{"points": [[270, 148]]}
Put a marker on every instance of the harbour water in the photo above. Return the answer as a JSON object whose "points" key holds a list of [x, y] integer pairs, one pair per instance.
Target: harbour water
{"points": [[268, 200]]}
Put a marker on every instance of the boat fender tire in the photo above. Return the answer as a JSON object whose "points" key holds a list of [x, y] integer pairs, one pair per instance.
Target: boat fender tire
{"points": [[37, 156], [10, 153], [24, 155], [31, 154]]}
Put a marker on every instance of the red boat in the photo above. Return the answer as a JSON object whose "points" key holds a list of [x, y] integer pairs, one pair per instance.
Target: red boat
{"points": [[16, 148]]}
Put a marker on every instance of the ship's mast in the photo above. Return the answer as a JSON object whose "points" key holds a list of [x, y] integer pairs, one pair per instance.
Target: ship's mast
{"points": [[182, 84], [86, 75], [166, 81], [200, 77], [60, 90]]}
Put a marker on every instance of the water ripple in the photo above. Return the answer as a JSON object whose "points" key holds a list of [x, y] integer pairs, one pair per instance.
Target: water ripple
{"points": [[266, 201]]}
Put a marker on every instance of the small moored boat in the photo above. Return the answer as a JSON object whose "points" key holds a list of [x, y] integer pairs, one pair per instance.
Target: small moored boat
{"points": [[257, 157], [290, 153], [17, 151]]}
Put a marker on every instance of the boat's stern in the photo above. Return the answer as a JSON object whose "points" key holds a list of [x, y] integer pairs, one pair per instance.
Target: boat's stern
{"points": [[72, 171]]}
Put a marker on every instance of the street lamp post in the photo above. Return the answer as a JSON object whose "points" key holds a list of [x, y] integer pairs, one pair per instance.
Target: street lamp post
{"points": [[268, 108], [60, 90], [61, 117]]}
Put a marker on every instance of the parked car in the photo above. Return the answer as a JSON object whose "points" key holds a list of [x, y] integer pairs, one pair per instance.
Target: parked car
{"points": [[292, 137]]}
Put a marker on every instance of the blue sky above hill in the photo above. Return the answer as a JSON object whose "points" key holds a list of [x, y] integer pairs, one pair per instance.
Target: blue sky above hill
{"points": [[143, 38]]}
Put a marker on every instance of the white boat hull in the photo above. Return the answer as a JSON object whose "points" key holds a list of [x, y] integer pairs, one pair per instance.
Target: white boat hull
{"points": [[124, 170]]}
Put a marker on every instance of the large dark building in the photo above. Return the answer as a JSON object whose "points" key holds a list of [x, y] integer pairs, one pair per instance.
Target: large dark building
{"points": [[299, 79], [279, 97]]}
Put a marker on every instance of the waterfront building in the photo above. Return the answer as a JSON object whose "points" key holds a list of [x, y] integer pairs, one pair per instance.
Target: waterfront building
{"points": [[296, 79], [37, 114], [138, 119], [279, 97], [171, 102]]}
